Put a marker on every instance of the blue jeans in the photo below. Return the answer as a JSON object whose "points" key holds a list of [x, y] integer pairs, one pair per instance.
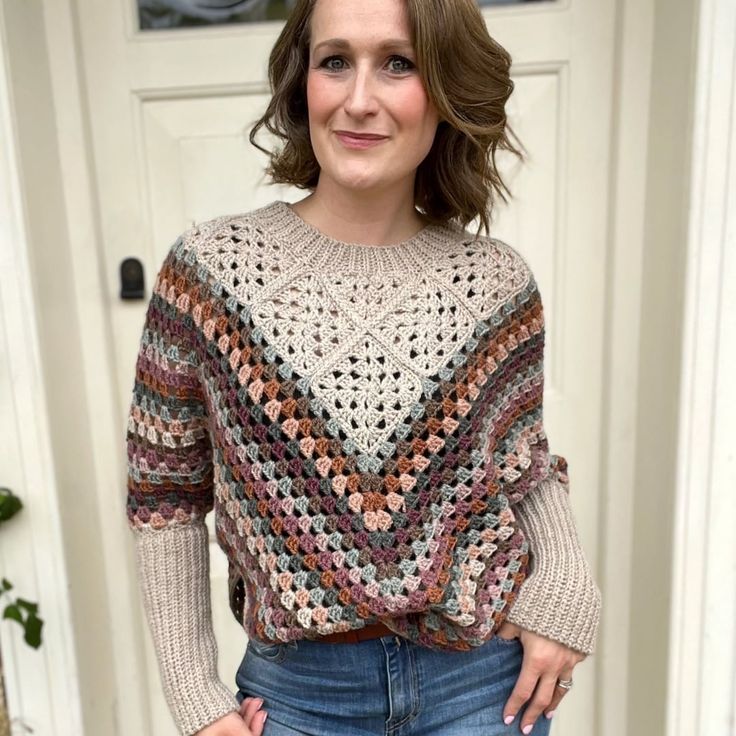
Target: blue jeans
{"points": [[386, 686]]}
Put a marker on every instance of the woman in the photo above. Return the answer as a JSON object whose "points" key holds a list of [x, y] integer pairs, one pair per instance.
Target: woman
{"points": [[355, 385]]}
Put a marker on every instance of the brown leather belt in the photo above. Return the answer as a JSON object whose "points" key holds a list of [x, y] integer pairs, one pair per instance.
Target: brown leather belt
{"points": [[370, 631]]}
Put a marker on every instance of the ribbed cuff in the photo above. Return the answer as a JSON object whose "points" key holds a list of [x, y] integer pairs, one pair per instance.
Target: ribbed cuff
{"points": [[174, 578], [559, 599]]}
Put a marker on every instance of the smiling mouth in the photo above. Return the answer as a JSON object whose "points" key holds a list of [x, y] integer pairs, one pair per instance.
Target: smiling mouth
{"points": [[361, 136], [357, 142]]}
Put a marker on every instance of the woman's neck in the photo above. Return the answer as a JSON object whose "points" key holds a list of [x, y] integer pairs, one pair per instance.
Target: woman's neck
{"points": [[354, 218]]}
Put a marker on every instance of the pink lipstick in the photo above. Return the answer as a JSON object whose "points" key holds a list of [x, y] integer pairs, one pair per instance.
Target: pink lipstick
{"points": [[359, 142]]}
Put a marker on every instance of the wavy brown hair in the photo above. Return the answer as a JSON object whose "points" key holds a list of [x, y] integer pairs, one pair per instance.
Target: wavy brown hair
{"points": [[466, 74]]}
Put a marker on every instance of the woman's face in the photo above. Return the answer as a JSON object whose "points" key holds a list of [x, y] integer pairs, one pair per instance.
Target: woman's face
{"points": [[366, 83]]}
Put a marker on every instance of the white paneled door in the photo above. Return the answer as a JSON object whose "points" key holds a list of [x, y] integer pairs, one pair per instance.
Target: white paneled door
{"points": [[170, 109]]}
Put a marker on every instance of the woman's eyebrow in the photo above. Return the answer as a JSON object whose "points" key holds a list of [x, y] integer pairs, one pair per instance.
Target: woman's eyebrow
{"points": [[342, 43]]}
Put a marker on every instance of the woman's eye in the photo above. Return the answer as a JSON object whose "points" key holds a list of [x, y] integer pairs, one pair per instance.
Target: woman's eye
{"points": [[404, 65], [326, 62]]}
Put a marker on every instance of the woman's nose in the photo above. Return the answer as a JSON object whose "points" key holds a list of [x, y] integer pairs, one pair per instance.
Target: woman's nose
{"points": [[361, 92]]}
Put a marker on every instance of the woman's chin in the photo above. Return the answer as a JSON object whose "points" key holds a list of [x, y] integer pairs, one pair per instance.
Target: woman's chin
{"points": [[362, 183]]}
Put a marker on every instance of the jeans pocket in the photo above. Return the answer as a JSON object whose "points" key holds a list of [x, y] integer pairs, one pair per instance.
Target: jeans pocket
{"points": [[270, 651]]}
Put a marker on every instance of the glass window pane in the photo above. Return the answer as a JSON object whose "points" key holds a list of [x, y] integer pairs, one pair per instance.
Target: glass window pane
{"points": [[154, 14]]}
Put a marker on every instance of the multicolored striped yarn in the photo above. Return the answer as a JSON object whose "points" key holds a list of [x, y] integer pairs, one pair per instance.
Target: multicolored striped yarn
{"points": [[362, 419]]}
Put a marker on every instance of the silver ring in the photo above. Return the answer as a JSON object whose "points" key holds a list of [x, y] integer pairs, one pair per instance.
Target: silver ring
{"points": [[564, 684]]}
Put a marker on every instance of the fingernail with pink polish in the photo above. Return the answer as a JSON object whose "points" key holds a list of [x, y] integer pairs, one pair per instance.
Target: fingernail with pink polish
{"points": [[550, 714], [508, 719], [527, 728]]}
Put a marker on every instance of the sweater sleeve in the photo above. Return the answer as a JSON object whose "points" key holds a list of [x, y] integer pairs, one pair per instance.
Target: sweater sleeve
{"points": [[170, 491], [560, 598]]}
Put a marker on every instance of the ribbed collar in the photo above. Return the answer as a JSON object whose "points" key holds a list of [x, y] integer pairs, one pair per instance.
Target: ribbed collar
{"points": [[312, 245]]}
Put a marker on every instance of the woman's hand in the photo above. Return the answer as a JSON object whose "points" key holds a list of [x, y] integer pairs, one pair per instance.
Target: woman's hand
{"points": [[247, 722], [545, 660]]}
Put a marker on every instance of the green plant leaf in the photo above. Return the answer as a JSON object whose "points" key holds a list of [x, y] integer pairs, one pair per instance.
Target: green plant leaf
{"points": [[12, 611], [10, 504], [33, 628], [30, 607]]}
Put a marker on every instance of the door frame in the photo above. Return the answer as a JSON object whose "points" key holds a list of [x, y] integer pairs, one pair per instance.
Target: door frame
{"points": [[702, 679], [41, 685]]}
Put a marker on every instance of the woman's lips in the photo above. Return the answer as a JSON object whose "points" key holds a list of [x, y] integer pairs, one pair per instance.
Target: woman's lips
{"points": [[351, 141]]}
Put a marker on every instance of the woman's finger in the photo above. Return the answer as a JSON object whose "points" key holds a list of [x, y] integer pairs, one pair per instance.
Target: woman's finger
{"points": [[542, 698], [559, 693], [253, 715], [523, 689]]}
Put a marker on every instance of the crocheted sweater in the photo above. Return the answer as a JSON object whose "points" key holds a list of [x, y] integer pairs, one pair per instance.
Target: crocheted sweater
{"points": [[366, 423]]}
